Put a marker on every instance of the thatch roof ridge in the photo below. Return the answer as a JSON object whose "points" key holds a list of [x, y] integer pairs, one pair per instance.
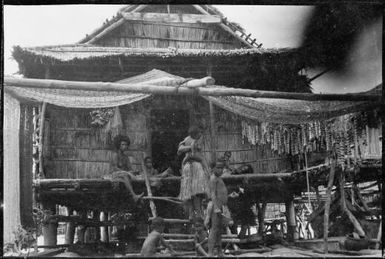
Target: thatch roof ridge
{"points": [[84, 51]]}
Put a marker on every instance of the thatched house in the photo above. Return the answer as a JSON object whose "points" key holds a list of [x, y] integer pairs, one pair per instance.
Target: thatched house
{"points": [[157, 49]]}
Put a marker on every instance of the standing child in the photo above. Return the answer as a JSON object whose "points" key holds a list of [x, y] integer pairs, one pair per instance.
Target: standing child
{"points": [[214, 216], [154, 238]]}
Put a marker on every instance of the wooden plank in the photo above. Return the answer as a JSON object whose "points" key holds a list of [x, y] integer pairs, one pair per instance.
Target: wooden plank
{"points": [[172, 18]]}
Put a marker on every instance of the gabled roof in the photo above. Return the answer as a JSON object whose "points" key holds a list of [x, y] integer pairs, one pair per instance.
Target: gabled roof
{"points": [[233, 28]]}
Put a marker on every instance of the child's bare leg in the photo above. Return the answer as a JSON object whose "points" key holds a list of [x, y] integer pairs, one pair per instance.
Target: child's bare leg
{"points": [[200, 250], [188, 208], [127, 183], [211, 242]]}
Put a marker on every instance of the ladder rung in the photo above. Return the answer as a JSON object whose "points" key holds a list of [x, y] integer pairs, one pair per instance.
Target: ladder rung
{"points": [[187, 236], [182, 221]]}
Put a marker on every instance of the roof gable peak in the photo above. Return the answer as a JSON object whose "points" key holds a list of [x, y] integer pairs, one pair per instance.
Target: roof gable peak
{"points": [[204, 10]]}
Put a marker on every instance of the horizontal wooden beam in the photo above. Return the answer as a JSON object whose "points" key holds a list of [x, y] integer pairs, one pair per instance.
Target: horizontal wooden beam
{"points": [[171, 90], [175, 39], [171, 18]]}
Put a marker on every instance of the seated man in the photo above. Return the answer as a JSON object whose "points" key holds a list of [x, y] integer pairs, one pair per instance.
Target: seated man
{"points": [[244, 169], [226, 160], [120, 166], [152, 172]]}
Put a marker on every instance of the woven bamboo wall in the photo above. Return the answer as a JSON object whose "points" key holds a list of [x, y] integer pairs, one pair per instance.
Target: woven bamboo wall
{"points": [[76, 150], [229, 138], [135, 34]]}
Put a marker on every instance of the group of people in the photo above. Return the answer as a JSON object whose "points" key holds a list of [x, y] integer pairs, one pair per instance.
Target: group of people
{"points": [[199, 183]]}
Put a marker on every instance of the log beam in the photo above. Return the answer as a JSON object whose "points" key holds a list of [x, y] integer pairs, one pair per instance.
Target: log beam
{"points": [[171, 90], [171, 18]]}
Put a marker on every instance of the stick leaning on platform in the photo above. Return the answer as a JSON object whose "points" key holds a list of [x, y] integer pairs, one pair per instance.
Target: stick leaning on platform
{"points": [[149, 193]]}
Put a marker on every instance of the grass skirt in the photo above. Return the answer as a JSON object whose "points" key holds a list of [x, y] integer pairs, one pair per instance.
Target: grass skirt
{"points": [[194, 181]]}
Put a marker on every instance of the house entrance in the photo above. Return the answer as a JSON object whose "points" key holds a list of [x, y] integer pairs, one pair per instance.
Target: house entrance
{"points": [[169, 128]]}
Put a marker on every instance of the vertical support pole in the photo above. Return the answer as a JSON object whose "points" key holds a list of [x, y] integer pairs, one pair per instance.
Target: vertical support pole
{"points": [[212, 120], [104, 230], [352, 218], [379, 235], [41, 132], [261, 216], [82, 228], [49, 229], [307, 178], [290, 219], [26, 164], [212, 132], [327, 204], [355, 141], [70, 229], [368, 151], [96, 217]]}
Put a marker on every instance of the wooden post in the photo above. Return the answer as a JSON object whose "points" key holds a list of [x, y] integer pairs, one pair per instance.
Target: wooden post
{"points": [[327, 204], [70, 229], [355, 142], [379, 234], [104, 230], [96, 217], [148, 186], [81, 228], [290, 219], [212, 132], [261, 216], [367, 140], [352, 218], [26, 164], [49, 229], [307, 178], [41, 132], [212, 120]]}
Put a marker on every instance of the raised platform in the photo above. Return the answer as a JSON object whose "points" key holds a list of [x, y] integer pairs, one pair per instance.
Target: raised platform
{"points": [[101, 194]]}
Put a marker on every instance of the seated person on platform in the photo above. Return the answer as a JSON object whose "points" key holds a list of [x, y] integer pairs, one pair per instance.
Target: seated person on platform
{"points": [[226, 159], [155, 238], [152, 172], [120, 165], [200, 238]]}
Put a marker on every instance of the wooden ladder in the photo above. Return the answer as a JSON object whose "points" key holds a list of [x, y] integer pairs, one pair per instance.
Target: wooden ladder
{"points": [[176, 237]]}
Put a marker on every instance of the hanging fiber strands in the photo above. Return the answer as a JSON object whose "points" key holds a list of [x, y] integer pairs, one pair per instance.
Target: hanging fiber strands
{"points": [[317, 136]]}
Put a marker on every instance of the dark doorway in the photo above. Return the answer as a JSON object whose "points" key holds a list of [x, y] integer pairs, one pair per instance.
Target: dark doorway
{"points": [[169, 128]]}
